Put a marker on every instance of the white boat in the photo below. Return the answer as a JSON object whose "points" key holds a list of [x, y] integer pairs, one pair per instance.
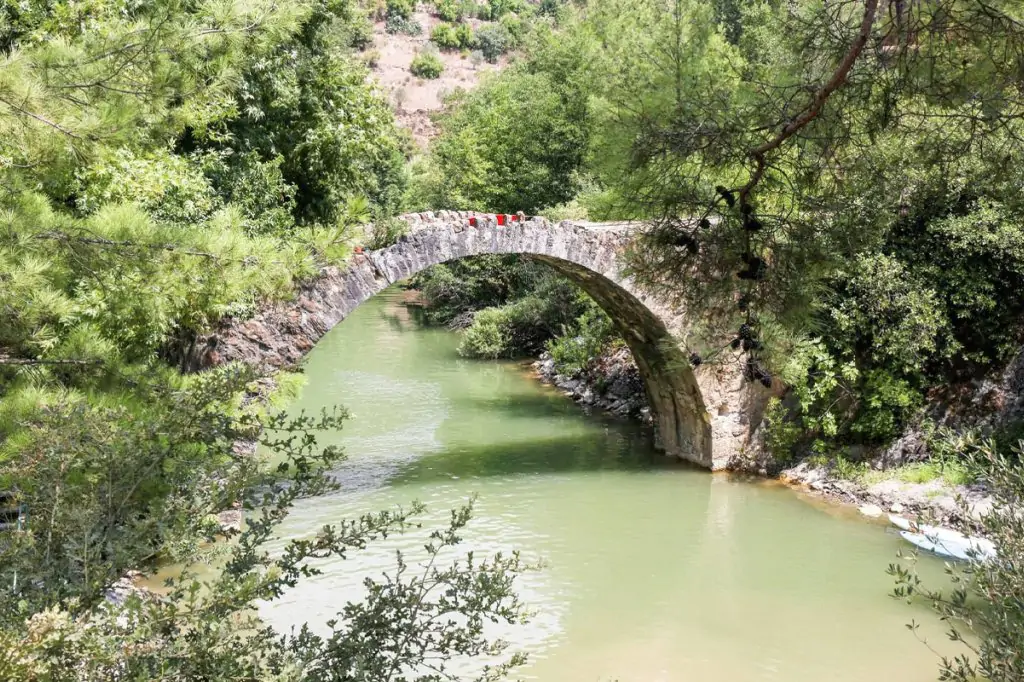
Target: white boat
{"points": [[944, 541]]}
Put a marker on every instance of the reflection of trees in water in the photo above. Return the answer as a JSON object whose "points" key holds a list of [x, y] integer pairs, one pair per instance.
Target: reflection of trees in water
{"points": [[397, 316]]}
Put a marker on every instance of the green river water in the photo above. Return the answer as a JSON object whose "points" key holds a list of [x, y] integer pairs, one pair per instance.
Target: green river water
{"points": [[654, 571]]}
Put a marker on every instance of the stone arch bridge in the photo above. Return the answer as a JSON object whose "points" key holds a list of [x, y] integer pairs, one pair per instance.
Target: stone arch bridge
{"points": [[703, 415]]}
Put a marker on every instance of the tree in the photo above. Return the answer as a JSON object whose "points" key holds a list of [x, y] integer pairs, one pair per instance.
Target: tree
{"points": [[519, 141], [781, 155], [309, 109], [109, 490], [982, 609], [493, 40]]}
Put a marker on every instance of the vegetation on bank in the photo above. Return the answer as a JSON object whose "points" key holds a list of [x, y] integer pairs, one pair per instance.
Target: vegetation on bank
{"points": [[163, 165]]}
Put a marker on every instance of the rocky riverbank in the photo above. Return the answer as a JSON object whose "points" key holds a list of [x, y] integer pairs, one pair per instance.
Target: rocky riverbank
{"points": [[935, 500], [611, 383]]}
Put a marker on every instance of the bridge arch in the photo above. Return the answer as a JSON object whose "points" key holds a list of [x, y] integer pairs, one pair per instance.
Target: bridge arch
{"points": [[697, 418]]}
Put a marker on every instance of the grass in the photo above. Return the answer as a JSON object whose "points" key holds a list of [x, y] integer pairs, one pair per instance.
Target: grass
{"points": [[951, 473]]}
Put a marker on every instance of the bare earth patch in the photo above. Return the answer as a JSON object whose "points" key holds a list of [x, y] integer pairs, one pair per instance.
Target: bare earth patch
{"points": [[414, 99]]}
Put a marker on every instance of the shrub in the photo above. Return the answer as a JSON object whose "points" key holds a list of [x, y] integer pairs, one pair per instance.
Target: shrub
{"points": [[488, 336], [360, 32], [493, 41], [516, 28], [445, 37], [409, 27], [782, 432], [449, 10], [578, 345], [426, 65], [400, 9], [385, 231], [466, 37], [371, 58], [887, 404]]}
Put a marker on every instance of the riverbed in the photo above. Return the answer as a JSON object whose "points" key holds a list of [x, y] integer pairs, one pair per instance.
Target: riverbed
{"points": [[654, 570]]}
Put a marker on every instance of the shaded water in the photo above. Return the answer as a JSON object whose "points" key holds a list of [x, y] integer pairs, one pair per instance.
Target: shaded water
{"points": [[655, 571]]}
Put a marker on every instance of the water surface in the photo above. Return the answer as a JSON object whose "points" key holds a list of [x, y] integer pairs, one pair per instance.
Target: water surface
{"points": [[655, 571]]}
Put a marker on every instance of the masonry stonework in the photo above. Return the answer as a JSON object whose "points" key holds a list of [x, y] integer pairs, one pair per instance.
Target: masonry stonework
{"points": [[705, 416]]}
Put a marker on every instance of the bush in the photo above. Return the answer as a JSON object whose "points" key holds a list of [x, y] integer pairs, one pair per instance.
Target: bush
{"points": [[400, 9], [385, 231], [449, 10], [360, 34], [427, 65], [524, 326], [396, 25], [464, 34], [488, 336], [493, 40], [445, 37], [884, 316], [449, 37], [583, 341], [516, 28], [886, 405]]}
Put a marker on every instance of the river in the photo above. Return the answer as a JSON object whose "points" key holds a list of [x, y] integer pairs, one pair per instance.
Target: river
{"points": [[654, 571]]}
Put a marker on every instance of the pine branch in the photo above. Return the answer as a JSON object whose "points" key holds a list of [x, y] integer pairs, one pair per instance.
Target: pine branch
{"points": [[22, 362], [129, 244], [817, 102], [39, 118]]}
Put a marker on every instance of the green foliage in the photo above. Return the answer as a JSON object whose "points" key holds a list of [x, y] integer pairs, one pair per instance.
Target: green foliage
{"points": [[883, 316], [310, 105], [886, 404], [427, 65], [494, 40], [489, 336], [470, 284], [982, 605], [409, 27], [385, 231], [255, 187], [443, 35], [111, 489], [516, 142], [449, 37], [494, 10], [578, 345], [523, 326], [782, 433], [519, 304], [516, 27], [168, 187], [450, 10], [400, 9]]}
